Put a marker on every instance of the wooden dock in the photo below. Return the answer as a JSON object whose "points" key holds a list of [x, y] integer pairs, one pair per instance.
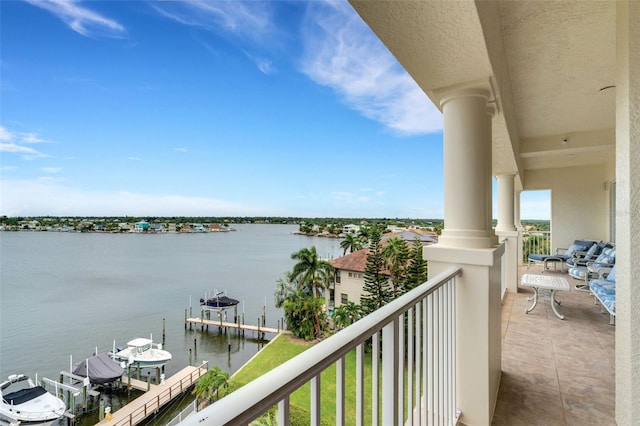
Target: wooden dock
{"points": [[153, 400], [232, 325]]}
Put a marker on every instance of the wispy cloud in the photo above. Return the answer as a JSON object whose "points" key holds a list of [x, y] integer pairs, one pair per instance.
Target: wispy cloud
{"points": [[247, 23], [26, 152], [48, 197], [81, 19], [265, 65], [32, 138], [5, 135], [343, 54], [52, 169], [134, 159], [248, 20], [181, 149]]}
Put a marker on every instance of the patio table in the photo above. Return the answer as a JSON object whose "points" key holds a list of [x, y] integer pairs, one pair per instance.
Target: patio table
{"points": [[545, 286]]}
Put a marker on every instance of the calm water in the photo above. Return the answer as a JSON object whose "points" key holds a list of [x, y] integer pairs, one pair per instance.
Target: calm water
{"points": [[64, 294]]}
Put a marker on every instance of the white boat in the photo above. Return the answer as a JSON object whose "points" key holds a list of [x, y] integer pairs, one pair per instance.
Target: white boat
{"points": [[24, 402], [142, 353]]}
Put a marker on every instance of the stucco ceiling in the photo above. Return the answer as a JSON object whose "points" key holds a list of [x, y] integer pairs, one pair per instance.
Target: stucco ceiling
{"points": [[546, 60]]}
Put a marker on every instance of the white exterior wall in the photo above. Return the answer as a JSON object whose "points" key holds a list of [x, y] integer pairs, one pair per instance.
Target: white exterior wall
{"points": [[628, 214], [352, 286], [573, 188]]}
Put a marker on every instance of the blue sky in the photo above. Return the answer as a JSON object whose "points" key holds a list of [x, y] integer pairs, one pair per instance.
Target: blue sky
{"points": [[211, 108]]}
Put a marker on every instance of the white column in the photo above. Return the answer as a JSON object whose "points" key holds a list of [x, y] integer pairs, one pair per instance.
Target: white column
{"points": [[467, 169], [468, 241], [506, 231], [505, 202], [627, 212]]}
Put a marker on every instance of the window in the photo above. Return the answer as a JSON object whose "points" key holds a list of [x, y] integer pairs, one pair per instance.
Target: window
{"points": [[344, 298], [338, 277]]}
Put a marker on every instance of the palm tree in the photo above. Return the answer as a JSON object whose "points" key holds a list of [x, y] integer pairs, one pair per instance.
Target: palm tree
{"points": [[287, 288], [345, 315], [351, 243], [210, 384], [396, 254], [311, 271]]}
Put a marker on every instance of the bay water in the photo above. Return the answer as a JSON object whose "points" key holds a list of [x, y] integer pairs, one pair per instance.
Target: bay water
{"points": [[64, 295]]}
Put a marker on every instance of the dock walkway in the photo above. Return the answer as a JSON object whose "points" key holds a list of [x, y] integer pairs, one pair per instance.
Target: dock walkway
{"points": [[232, 325], [159, 395]]}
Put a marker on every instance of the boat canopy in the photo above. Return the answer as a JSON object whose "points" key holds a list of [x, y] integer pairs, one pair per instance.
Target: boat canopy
{"points": [[100, 369]]}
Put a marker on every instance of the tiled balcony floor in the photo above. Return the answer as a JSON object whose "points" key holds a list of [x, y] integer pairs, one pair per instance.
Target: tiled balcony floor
{"points": [[556, 372]]}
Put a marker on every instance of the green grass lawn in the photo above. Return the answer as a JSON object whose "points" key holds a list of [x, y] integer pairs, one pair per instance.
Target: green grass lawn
{"points": [[285, 347]]}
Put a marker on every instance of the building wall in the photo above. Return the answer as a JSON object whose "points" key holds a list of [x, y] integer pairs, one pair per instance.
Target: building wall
{"points": [[628, 214], [352, 286], [572, 188]]}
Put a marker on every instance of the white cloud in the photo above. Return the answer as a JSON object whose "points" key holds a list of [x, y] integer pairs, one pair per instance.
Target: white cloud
{"points": [[31, 138], [26, 152], [343, 54], [250, 20], [80, 19], [5, 135], [52, 169], [46, 197], [264, 64], [181, 149], [134, 159]]}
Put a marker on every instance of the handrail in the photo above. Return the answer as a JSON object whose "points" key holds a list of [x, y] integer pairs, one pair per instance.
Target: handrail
{"points": [[250, 401], [153, 405]]}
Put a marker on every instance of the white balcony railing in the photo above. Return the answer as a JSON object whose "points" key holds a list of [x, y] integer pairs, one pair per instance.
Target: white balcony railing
{"points": [[535, 242], [418, 363]]}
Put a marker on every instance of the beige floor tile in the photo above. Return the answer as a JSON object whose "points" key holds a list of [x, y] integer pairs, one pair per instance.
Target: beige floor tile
{"points": [[556, 372]]}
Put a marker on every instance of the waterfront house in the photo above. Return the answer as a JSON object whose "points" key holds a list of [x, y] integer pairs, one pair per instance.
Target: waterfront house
{"points": [[350, 229], [348, 279], [410, 235], [539, 95], [141, 226]]}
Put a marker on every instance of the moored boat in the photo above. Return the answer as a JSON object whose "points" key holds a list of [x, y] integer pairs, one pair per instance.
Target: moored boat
{"points": [[24, 402], [218, 302], [142, 353], [100, 369]]}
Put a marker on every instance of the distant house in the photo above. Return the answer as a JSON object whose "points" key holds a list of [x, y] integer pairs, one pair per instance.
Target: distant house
{"points": [[141, 226], [157, 228], [347, 229], [348, 279], [409, 235], [214, 227]]}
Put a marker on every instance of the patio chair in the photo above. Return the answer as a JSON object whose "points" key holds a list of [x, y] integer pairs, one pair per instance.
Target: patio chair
{"points": [[604, 289], [601, 266], [562, 255]]}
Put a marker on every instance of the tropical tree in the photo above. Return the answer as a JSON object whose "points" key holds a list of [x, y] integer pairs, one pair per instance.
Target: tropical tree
{"points": [[306, 317], [345, 315], [376, 289], [209, 385], [287, 288], [351, 242], [396, 255], [417, 272], [311, 270]]}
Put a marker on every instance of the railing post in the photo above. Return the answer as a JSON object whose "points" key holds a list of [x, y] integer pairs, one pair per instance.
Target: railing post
{"points": [[340, 409], [283, 412], [315, 401], [390, 373], [360, 385]]}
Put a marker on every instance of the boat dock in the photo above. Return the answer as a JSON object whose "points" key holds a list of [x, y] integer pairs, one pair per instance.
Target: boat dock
{"points": [[156, 397], [232, 325]]}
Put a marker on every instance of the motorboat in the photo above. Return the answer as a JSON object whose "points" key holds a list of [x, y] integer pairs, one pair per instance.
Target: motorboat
{"points": [[100, 369], [218, 302], [25, 402], [142, 353]]}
